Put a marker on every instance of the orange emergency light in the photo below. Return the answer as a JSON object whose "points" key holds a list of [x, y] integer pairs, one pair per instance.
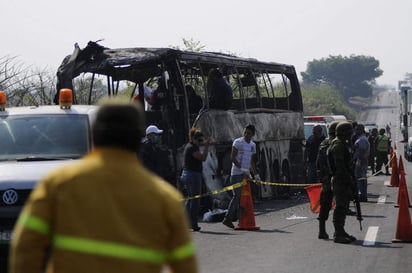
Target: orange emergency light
{"points": [[2, 100], [65, 98]]}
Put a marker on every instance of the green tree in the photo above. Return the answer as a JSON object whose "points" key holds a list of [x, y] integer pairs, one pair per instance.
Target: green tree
{"points": [[324, 99], [352, 76]]}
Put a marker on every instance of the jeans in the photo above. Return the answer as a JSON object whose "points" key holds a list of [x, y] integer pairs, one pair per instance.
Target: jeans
{"points": [[193, 181], [234, 203], [361, 169]]}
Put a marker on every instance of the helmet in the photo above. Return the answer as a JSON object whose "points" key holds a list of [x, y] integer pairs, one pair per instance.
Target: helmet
{"points": [[332, 127], [344, 128]]}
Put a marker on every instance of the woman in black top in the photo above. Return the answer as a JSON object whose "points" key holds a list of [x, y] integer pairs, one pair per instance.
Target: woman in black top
{"points": [[192, 173]]}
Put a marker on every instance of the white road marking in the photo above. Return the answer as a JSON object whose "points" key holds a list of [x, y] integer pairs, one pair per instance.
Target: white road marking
{"points": [[382, 200], [295, 217], [387, 183], [370, 237]]}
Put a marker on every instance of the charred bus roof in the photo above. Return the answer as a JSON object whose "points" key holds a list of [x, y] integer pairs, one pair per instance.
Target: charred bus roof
{"points": [[134, 64]]}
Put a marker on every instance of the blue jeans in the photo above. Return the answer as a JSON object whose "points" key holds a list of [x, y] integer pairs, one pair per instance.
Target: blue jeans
{"points": [[234, 203], [193, 181], [361, 169]]}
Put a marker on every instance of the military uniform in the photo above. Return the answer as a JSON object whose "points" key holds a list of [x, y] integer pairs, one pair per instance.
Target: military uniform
{"points": [[324, 175], [342, 183]]}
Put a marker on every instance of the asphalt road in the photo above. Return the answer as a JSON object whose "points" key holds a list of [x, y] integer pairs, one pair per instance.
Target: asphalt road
{"points": [[287, 240]]}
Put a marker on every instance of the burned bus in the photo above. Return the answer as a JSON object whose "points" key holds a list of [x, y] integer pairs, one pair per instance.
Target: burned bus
{"points": [[265, 94]]}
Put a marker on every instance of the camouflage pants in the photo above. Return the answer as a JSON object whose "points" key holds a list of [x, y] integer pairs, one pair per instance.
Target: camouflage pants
{"points": [[343, 193], [326, 197]]}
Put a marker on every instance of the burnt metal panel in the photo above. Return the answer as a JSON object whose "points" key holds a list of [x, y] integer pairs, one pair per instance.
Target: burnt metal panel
{"points": [[225, 126]]}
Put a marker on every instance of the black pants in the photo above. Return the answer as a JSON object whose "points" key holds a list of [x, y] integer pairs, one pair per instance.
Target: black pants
{"points": [[326, 197], [382, 159]]}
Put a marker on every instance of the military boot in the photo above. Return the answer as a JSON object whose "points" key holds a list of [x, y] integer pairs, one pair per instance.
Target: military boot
{"points": [[322, 230], [340, 235]]}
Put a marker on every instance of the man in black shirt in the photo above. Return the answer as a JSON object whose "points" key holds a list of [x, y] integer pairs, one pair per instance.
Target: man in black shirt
{"points": [[154, 156], [311, 152]]}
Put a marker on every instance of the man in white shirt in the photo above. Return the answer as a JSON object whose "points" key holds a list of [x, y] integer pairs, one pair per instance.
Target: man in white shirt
{"points": [[243, 163]]}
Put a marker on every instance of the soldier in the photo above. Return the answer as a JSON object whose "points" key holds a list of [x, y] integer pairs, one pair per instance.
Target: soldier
{"points": [[340, 160], [324, 175]]}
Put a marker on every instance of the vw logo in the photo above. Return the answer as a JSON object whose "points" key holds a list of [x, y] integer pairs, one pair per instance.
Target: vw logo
{"points": [[10, 197]]}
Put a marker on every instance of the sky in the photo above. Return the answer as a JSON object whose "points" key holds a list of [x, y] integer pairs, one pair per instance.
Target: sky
{"points": [[41, 33]]}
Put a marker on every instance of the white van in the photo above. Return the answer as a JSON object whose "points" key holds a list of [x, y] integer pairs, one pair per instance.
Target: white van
{"points": [[35, 140]]}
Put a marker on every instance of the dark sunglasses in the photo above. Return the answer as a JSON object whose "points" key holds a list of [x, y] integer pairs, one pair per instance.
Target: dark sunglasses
{"points": [[200, 139]]}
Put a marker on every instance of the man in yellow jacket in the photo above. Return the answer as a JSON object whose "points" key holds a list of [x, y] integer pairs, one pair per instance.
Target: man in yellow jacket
{"points": [[105, 213]]}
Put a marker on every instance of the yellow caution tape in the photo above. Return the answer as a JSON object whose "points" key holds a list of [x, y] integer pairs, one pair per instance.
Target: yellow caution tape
{"points": [[240, 184], [227, 188], [279, 184]]}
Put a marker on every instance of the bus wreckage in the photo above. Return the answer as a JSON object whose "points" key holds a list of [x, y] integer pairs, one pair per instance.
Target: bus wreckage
{"points": [[265, 94]]}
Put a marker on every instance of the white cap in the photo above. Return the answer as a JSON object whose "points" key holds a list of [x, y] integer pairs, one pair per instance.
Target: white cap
{"points": [[153, 129]]}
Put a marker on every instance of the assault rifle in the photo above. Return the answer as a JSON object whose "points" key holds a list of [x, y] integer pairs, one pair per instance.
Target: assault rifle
{"points": [[356, 201]]}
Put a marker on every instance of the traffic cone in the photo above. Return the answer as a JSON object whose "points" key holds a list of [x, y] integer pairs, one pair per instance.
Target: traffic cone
{"points": [[404, 225], [402, 185], [247, 214], [313, 192], [400, 167], [395, 174]]}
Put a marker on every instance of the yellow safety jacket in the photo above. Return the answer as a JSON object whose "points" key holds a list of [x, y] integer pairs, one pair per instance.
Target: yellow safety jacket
{"points": [[105, 213], [382, 143]]}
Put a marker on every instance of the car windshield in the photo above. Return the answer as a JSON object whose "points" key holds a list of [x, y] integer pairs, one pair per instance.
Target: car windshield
{"points": [[43, 137], [309, 130]]}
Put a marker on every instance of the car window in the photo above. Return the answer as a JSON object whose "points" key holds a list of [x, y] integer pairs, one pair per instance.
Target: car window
{"points": [[51, 136], [309, 128]]}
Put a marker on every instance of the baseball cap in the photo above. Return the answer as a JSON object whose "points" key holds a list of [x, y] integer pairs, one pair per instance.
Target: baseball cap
{"points": [[153, 129]]}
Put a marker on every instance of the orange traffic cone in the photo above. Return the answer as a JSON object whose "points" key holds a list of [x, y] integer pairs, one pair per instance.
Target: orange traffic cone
{"points": [[395, 173], [402, 185], [247, 214], [404, 225], [313, 192], [400, 167]]}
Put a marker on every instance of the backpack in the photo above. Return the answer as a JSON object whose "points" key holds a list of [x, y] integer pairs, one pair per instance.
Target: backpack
{"points": [[324, 161]]}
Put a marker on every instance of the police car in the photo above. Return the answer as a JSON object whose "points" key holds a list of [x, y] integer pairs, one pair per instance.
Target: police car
{"points": [[35, 140]]}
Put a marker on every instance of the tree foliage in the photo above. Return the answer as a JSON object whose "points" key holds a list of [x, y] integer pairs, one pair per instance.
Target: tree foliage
{"points": [[352, 76], [324, 99]]}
